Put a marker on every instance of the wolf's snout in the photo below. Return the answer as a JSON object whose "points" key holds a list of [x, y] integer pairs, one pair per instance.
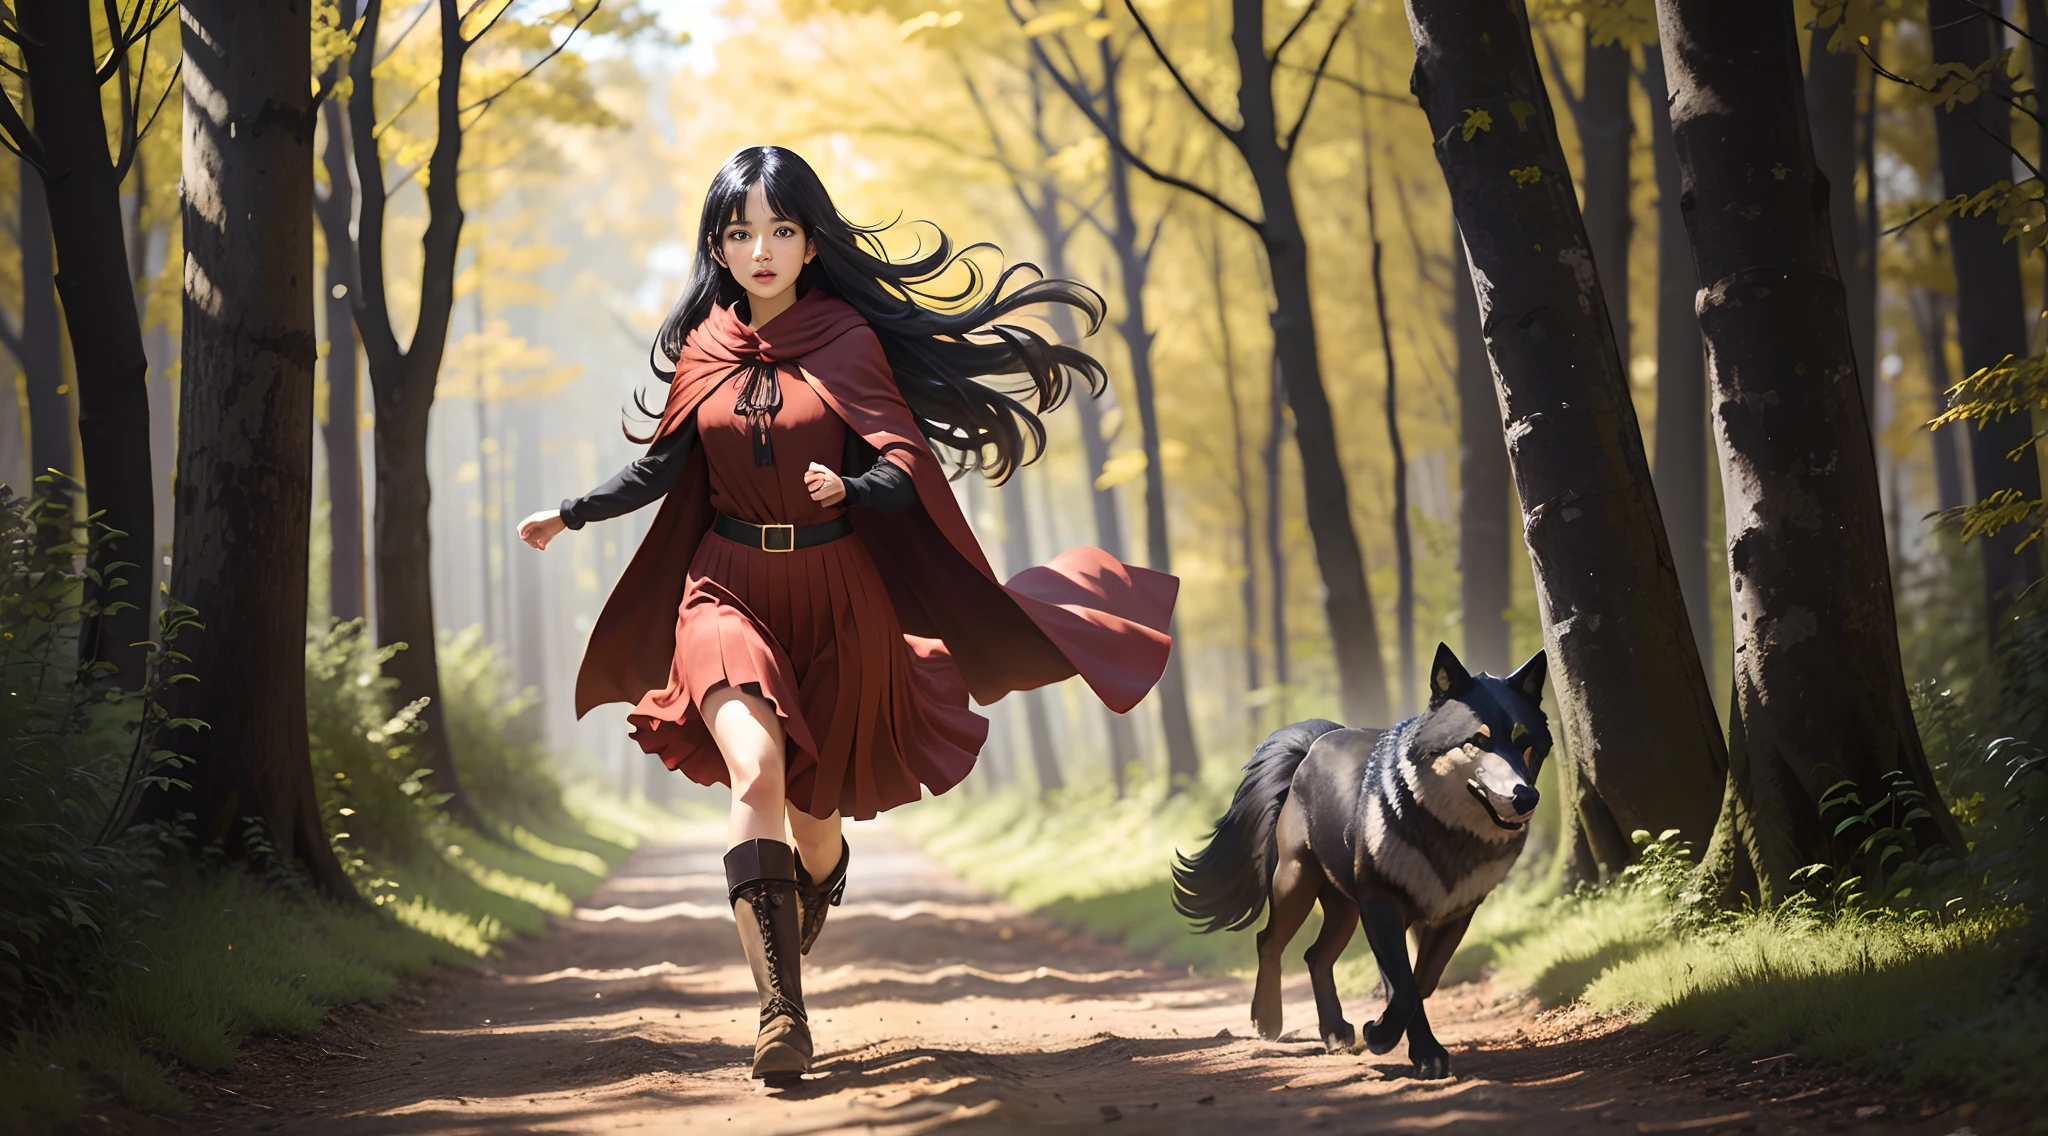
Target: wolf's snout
{"points": [[1525, 798]]}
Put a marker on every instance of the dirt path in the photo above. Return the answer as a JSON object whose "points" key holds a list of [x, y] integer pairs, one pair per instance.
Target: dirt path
{"points": [[937, 1009]]}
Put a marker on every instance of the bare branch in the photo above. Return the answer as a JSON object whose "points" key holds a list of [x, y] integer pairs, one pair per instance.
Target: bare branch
{"points": [[557, 50], [1165, 60], [1315, 84], [17, 137], [1094, 115], [1273, 57], [1354, 86], [425, 7], [171, 84], [1882, 71], [1996, 15], [491, 23]]}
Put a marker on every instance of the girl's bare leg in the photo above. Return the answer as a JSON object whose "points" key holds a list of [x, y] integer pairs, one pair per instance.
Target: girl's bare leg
{"points": [[817, 841], [749, 737]]}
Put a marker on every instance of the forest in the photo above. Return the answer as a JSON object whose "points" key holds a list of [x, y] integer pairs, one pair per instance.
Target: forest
{"points": [[1735, 310]]}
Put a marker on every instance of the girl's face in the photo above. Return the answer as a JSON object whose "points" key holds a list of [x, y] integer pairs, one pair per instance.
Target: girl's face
{"points": [[763, 251]]}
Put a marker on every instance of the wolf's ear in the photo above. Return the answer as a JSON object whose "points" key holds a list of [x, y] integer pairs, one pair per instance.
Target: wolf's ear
{"points": [[1447, 677], [1528, 682]]}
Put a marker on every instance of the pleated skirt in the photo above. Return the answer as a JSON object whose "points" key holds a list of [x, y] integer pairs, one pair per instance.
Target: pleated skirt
{"points": [[871, 716]]}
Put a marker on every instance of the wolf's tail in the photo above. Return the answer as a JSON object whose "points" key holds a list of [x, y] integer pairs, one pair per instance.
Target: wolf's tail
{"points": [[1223, 887]]}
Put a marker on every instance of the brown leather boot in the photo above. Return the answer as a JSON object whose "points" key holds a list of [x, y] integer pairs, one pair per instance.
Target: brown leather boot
{"points": [[814, 897], [760, 877]]}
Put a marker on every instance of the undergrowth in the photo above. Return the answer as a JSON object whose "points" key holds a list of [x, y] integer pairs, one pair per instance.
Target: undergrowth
{"points": [[127, 954], [1931, 974]]}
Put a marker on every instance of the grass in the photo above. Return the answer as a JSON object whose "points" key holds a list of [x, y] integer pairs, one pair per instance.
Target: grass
{"points": [[231, 954], [1931, 1001], [1092, 863]]}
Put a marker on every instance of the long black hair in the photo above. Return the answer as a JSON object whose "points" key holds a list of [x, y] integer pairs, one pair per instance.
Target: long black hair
{"points": [[938, 342]]}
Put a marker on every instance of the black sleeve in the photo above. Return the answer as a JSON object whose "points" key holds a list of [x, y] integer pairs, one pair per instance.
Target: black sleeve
{"points": [[645, 479], [884, 486]]}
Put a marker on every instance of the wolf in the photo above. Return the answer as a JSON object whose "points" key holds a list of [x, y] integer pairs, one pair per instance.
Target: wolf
{"points": [[1407, 829]]}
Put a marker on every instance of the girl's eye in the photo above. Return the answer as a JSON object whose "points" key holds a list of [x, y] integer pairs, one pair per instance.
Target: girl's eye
{"points": [[785, 231]]}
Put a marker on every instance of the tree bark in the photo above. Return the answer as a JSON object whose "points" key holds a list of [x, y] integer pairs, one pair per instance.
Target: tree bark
{"points": [[1831, 81], [246, 454], [1404, 549], [84, 197], [1820, 695], [402, 384], [1974, 141], [1482, 484], [1681, 464], [1134, 265], [1271, 458], [42, 355], [336, 210], [1628, 677], [2037, 59], [1037, 723], [1606, 131]]}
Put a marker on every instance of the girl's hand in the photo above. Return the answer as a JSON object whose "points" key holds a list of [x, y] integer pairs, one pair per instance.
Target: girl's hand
{"points": [[542, 527], [824, 486]]}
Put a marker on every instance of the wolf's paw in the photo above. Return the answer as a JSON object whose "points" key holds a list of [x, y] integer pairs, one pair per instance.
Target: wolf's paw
{"points": [[1341, 1039], [1432, 1061], [1382, 1035]]}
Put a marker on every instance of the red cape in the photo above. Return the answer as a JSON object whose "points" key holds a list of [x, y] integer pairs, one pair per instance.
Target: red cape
{"points": [[1082, 613]]}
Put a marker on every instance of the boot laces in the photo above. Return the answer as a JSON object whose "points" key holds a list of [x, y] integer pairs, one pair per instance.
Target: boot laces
{"points": [[778, 1002]]}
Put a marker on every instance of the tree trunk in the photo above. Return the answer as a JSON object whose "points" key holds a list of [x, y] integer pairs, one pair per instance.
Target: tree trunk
{"points": [[1628, 677], [245, 486], [402, 384], [1109, 526], [42, 356], [1404, 550], [1248, 588], [1271, 457], [1037, 723], [1183, 757], [1347, 599], [336, 210], [1482, 484], [1606, 131], [2037, 59], [1681, 470], [1831, 80], [84, 197], [1974, 142], [1820, 695], [1930, 318]]}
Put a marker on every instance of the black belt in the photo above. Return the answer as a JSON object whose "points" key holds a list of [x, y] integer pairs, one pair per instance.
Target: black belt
{"points": [[781, 538]]}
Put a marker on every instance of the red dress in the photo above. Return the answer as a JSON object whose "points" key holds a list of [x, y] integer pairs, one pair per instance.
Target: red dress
{"points": [[868, 712], [871, 645]]}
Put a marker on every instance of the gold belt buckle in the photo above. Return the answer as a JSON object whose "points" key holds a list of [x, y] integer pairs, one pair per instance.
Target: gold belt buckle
{"points": [[790, 538]]}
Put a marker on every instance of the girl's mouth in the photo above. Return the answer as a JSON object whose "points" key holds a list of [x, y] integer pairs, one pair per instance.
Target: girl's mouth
{"points": [[764, 275]]}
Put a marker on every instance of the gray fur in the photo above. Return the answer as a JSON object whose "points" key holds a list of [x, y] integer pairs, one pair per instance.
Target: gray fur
{"points": [[1410, 827]]}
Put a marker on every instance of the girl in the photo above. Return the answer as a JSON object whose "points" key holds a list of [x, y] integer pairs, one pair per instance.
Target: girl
{"points": [[809, 612]]}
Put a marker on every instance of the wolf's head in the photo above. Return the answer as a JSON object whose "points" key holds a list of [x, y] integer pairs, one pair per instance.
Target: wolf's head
{"points": [[1485, 736]]}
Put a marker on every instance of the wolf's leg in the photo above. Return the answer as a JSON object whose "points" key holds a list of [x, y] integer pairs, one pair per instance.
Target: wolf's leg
{"points": [[1340, 919], [1295, 882], [1434, 947], [1388, 935], [1432, 1060]]}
